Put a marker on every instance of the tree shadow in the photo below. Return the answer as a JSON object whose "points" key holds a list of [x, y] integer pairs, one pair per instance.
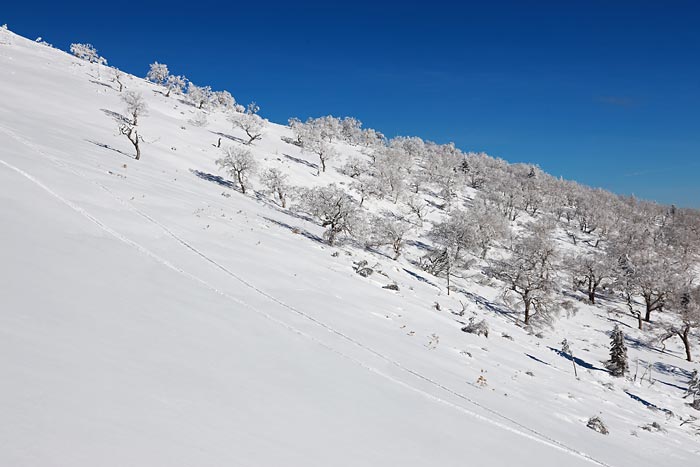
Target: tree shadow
{"points": [[419, 277], [116, 116], [107, 146], [432, 203], [295, 230], [671, 370], [578, 361], [301, 161], [537, 359], [479, 300], [214, 179], [671, 384], [420, 245], [94, 81], [229, 137], [647, 404]]}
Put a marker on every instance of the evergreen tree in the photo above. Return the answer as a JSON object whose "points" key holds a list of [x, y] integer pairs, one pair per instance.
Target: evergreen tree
{"points": [[617, 365], [694, 390]]}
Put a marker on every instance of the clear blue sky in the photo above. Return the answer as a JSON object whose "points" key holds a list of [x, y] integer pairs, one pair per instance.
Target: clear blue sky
{"points": [[603, 92]]}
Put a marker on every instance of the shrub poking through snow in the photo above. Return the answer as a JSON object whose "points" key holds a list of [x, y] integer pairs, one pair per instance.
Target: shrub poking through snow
{"points": [[480, 328], [596, 424]]}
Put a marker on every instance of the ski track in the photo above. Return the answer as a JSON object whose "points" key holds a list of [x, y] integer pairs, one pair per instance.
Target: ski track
{"points": [[518, 428]]}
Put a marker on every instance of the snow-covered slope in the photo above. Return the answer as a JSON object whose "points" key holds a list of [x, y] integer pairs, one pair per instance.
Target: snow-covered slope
{"points": [[147, 320]]}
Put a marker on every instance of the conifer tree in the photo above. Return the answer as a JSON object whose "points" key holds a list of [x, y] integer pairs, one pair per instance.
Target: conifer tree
{"points": [[617, 365], [694, 390]]}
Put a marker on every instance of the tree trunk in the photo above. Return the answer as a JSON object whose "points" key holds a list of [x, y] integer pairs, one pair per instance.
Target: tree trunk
{"points": [[240, 182], [686, 342], [591, 291], [527, 312], [448, 280], [135, 141], [323, 164]]}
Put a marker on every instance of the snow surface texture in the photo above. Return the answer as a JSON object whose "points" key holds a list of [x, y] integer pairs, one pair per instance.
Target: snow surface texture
{"points": [[147, 320]]}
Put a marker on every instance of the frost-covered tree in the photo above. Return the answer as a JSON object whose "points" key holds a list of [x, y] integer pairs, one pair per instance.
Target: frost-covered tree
{"points": [[418, 207], [322, 149], [392, 169], [443, 168], [452, 238], [135, 105], [486, 228], [590, 269], [88, 53], [239, 163], [351, 130], [367, 186], [250, 122], [223, 100], [507, 196], [276, 183], [529, 274], [391, 229], [474, 230], [685, 302], [334, 208], [617, 365], [117, 77], [200, 96], [175, 84], [474, 166], [158, 73], [654, 274], [354, 167], [315, 136]]}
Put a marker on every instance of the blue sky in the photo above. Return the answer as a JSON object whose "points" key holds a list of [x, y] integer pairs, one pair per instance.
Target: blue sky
{"points": [[605, 93]]}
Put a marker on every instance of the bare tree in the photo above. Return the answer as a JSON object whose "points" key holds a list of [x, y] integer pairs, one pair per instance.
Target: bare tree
{"points": [[130, 131], [239, 163]]}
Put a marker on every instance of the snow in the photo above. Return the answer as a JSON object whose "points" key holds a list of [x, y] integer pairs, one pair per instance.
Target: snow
{"points": [[145, 319]]}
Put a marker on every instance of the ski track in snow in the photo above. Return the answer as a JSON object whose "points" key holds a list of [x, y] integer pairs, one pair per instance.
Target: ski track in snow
{"points": [[516, 428]]}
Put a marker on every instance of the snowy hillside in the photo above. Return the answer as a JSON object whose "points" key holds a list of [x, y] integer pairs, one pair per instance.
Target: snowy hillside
{"points": [[151, 314]]}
